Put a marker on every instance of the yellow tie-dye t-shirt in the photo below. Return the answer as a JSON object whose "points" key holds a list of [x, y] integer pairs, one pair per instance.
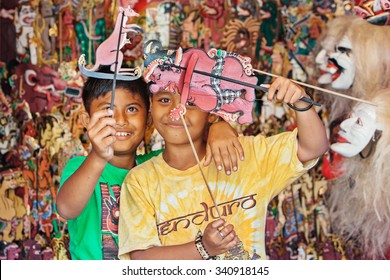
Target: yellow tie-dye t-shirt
{"points": [[161, 206]]}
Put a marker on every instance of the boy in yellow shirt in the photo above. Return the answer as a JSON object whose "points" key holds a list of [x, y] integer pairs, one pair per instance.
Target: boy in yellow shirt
{"points": [[166, 209]]}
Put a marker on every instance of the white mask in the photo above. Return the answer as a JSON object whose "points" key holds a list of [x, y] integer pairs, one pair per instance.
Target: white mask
{"points": [[342, 65], [322, 63], [337, 67], [356, 131]]}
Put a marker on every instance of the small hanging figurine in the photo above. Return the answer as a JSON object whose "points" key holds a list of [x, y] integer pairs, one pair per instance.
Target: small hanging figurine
{"points": [[109, 52]]}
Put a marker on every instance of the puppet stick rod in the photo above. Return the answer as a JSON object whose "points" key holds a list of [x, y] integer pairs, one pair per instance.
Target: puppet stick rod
{"points": [[199, 165], [264, 89], [116, 64], [318, 88]]}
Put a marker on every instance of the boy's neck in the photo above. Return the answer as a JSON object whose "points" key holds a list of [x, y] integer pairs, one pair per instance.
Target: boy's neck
{"points": [[182, 157], [124, 162]]}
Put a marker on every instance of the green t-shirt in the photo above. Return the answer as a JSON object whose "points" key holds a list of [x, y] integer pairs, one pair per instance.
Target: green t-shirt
{"points": [[93, 234]]}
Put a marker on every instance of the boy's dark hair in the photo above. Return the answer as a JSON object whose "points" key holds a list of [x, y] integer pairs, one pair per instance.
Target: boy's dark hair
{"points": [[95, 88]]}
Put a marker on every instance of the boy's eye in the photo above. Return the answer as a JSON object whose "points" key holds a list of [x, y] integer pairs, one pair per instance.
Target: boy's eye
{"points": [[189, 103], [164, 100], [132, 109]]}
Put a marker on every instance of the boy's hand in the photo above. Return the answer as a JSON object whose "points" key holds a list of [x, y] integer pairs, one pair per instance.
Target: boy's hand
{"points": [[101, 133], [285, 91], [218, 238], [223, 146]]}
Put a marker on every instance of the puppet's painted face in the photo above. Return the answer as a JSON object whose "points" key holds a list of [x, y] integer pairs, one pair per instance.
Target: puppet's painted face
{"points": [[46, 9], [356, 131], [8, 180], [337, 67], [26, 15]]}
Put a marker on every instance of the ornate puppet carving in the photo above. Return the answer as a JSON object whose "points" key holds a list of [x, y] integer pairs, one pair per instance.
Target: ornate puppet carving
{"points": [[50, 28], [40, 87], [7, 208], [108, 52], [240, 36], [66, 40], [228, 100], [24, 28], [91, 30]]}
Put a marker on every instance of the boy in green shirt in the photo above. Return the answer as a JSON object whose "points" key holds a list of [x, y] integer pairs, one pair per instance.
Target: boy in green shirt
{"points": [[90, 186]]}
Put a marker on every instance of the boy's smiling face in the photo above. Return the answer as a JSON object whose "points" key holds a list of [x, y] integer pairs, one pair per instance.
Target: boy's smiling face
{"points": [[173, 131], [130, 115]]}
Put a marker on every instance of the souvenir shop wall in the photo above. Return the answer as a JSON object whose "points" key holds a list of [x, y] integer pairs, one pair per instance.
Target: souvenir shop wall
{"points": [[42, 40]]}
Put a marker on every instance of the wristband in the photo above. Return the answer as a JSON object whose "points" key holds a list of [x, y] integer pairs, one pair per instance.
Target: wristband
{"points": [[309, 100], [201, 249]]}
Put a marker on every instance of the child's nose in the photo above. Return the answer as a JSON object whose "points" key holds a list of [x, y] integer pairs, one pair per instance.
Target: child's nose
{"points": [[175, 100], [120, 118]]}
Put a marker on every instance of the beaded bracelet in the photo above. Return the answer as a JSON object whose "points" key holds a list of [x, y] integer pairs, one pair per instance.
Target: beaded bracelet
{"points": [[201, 249]]}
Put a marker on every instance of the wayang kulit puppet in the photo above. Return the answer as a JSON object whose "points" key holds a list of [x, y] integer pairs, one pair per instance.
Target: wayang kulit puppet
{"points": [[108, 52]]}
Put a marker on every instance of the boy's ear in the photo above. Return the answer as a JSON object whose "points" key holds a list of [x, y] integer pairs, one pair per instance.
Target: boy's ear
{"points": [[213, 118], [84, 117]]}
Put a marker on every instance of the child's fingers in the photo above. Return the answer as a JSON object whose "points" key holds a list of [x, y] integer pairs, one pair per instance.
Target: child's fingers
{"points": [[282, 90], [298, 94], [101, 130], [239, 149], [208, 156], [100, 114], [215, 153], [226, 230], [225, 156], [96, 127], [289, 93], [217, 223]]}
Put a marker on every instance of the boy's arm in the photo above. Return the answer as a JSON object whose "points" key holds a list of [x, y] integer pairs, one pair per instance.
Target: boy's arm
{"points": [[179, 252], [217, 239], [223, 147], [312, 139], [78, 188]]}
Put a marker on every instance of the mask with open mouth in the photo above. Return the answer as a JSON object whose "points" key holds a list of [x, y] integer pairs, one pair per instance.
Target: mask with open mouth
{"points": [[337, 67], [341, 65]]}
